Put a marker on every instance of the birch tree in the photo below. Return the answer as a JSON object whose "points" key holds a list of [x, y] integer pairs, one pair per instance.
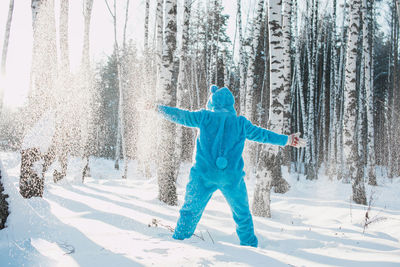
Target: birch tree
{"points": [[286, 41], [242, 87], [368, 34], [86, 79], [87, 14], [311, 49], [166, 94], [121, 122], [271, 157], [41, 97], [350, 105], [333, 98], [44, 57], [5, 48], [63, 33], [160, 33], [249, 103], [183, 101], [146, 25]]}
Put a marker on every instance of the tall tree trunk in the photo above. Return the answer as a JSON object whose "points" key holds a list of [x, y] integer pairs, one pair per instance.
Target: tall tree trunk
{"points": [[87, 17], [286, 42], [333, 99], [63, 33], [242, 89], [368, 30], [250, 148], [86, 77], [166, 94], [311, 48], [44, 65], [121, 121], [125, 25], [5, 48], [183, 134], [41, 96], [146, 25], [350, 106], [249, 106], [269, 171]]}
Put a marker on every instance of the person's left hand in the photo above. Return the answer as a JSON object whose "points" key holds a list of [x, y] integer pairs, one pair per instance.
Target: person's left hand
{"points": [[295, 141], [145, 105]]}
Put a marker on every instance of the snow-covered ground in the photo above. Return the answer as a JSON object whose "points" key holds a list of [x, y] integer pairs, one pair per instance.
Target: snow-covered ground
{"points": [[105, 222]]}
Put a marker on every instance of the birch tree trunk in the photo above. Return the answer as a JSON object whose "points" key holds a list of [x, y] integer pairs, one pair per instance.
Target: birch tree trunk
{"points": [[41, 96], [350, 106], [63, 33], [286, 42], [182, 97], [242, 89], [166, 172], [269, 170], [86, 79], [311, 47], [249, 105], [121, 121], [394, 131], [333, 99], [44, 64], [249, 111], [146, 26], [87, 17], [5, 48], [368, 30]]}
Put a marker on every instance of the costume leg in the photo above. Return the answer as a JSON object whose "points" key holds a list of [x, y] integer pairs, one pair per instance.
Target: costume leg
{"points": [[196, 199], [239, 203]]}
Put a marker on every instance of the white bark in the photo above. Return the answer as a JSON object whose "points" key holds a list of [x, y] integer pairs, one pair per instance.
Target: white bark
{"points": [[63, 33], [166, 172], [44, 56], [369, 87], [182, 97], [121, 120], [159, 38], [5, 48], [87, 13], [146, 25], [333, 99], [6, 38], [271, 171], [242, 89], [350, 105], [286, 41]]}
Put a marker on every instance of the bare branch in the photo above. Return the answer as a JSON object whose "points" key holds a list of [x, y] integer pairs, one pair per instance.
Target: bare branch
{"points": [[109, 9]]}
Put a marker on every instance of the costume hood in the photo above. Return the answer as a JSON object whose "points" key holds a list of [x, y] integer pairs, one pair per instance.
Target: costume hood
{"points": [[221, 100]]}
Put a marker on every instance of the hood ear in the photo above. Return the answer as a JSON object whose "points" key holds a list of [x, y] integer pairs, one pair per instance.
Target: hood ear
{"points": [[213, 88]]}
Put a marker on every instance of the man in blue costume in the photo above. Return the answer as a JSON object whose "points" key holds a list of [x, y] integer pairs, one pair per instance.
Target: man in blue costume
{"points": [[218, 161]]}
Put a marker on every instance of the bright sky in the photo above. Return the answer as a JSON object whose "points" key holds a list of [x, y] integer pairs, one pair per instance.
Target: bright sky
{"points": [[16, 82]]}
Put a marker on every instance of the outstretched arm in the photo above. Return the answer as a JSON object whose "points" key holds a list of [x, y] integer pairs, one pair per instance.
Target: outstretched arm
{"points": [[262, 135], [181, 116], [259, 134]]}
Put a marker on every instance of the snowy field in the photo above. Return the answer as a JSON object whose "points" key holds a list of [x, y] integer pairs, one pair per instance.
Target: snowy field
{"points": [[105, 222]]}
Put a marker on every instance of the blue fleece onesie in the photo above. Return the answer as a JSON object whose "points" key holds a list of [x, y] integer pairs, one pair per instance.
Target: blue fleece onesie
{"points": [[218, 161]]}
